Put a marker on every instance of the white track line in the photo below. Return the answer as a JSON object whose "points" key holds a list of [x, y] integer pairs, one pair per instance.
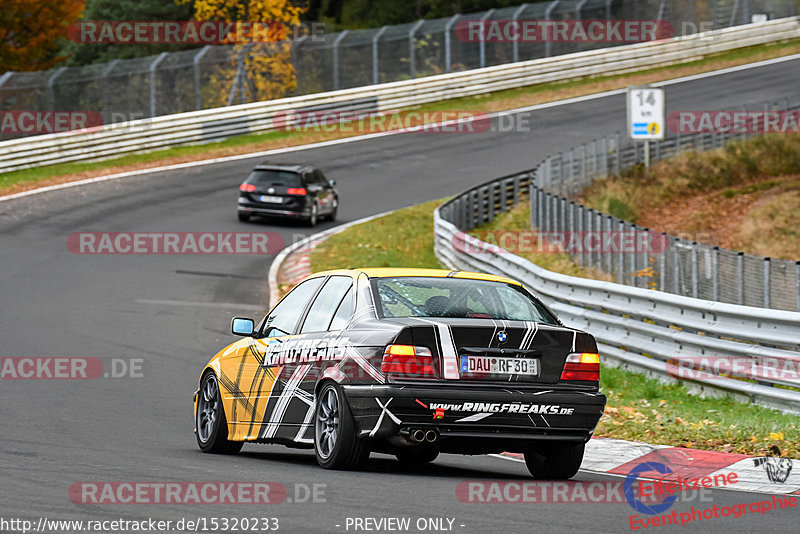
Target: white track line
{"points": [[365, 137]]}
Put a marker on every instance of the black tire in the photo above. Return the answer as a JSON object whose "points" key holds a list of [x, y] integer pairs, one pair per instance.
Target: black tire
{"points": [[313, 217], [212, 436], [336, 444], [334, 210], [417, 455], [244, 217], [554, 461]]}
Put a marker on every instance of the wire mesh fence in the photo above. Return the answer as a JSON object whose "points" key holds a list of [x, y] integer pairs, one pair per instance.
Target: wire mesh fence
{"points": [[668, 263], [220, 75]]}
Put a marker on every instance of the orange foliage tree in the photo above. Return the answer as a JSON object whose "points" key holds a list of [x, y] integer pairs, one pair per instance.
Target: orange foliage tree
{"points": [[30, 31], [269, 69]]}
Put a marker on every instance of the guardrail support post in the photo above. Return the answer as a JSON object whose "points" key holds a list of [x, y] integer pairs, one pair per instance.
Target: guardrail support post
{"points": [[589, 225], [153, 66], [621, 256], [515, 43], [547, 13], [198, 94], [676, 267], [767, 283], [740, 268], [336, 58], [482, 44], [412, 49], [448, 42], [375, 39]]}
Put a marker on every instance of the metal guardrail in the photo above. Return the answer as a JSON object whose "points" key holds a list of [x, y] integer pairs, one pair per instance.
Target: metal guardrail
{"points": [[692, 267], [218, 124], [658, 333], [214, 76]]}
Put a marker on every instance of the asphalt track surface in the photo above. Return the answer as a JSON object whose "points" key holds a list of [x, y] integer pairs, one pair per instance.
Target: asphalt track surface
{"points": [[173, 313]]}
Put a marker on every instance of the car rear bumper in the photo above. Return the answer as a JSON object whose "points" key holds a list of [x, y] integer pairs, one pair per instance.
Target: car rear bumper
{"points": [[253, 210], [463, 414]]}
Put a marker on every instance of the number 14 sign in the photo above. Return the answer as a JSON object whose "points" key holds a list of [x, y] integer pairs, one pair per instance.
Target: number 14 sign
{"points": [[646, 113]]}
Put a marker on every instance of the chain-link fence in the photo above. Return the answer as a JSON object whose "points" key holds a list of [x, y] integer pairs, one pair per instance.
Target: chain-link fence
{"points": [[667, 263], [215, 76]]}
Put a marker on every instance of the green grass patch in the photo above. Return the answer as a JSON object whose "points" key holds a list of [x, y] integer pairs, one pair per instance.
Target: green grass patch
{"points": [[401, 239], [507, 99], [645, 409]]}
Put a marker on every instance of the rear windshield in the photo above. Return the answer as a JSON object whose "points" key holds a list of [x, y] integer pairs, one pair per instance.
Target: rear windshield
{"points": [[458, 297], [274, 177]]}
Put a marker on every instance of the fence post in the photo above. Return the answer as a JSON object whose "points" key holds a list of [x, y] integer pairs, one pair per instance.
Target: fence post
{"points": [[412, 49], [662, 275], [540, 210], [104, 77], [375, 39], [797, 282], [607, 254], [715, 273], [482, 44], [767, 283], [676, 267], [448, 28], [534, 192], [740, 265], [547, 13], [617, 153], [198, 94], [621, 258], [589, 226], [515, 44], [694, 269], [335, 65], [153, 66], [51, 97]]}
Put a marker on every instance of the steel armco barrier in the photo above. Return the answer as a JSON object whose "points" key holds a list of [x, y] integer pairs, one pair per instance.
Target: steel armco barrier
{"points": [[218, 124], [642, 329]]}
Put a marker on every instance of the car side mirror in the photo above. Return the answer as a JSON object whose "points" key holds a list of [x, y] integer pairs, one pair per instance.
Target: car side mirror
{"points": [[332, 182], [241, 326]]}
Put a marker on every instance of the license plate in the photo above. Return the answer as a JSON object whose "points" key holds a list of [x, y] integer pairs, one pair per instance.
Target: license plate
{"points": [[271, 199], [498, 365]]}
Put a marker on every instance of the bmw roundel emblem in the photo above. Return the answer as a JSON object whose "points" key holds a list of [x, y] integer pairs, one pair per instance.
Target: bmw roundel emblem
{"points": [[502, 337], [271, 190]]}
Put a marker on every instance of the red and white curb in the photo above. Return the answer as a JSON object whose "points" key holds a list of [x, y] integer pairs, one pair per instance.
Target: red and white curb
{"points": [[619, 457]]}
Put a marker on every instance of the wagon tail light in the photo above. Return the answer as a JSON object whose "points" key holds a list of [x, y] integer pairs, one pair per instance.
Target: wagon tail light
{"points": [[585, 366], [299, 191], [247, 188], [407, 361]]}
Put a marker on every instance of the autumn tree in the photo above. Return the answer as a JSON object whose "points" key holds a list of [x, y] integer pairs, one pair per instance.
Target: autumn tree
{"points": [[269, 72], [31, 31]]}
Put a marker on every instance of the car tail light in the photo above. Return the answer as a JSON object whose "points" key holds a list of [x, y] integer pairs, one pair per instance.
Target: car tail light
{"points": [[297, 191], [247, 188], [408, 361], [585, 366]]}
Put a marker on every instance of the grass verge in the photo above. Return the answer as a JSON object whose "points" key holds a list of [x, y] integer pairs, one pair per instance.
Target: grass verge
{"points": [[639, 408], [745, 196], [514, 98]]}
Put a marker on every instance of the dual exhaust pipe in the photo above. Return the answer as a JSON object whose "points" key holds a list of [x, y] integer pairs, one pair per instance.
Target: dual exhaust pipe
{"points": [[420, 436]]}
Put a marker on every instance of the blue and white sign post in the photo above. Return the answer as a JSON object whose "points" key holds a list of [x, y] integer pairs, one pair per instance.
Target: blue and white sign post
{"points": [[647, 119]]}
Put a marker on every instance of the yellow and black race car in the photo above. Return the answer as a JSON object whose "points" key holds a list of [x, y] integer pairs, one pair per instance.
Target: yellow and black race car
{"points": [[410, 362]]}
